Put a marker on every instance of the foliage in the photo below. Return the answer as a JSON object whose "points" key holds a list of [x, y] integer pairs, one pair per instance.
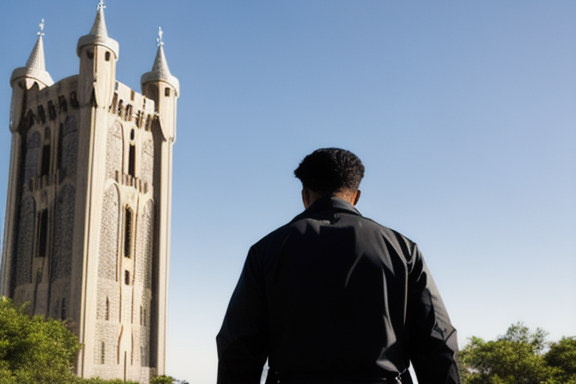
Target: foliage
{"points": [[162, 380], [33, 349], [41, 351], [520, 334], [562, 357], [97, 380], [518, 357]]}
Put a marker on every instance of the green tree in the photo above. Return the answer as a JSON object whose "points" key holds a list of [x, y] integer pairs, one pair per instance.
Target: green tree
{"points": [[33, 349], [562, 358], [97, 380], [162, 380], [514, 358]]}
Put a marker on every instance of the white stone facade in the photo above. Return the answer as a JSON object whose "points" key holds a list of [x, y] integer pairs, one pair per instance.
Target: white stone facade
{"points": [[88, 208]]}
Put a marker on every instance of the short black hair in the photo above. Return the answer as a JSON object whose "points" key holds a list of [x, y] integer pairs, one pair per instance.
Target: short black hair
{"points": [[330, 170]]}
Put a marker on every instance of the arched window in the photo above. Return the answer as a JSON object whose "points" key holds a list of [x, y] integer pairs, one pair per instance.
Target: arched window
{"points": [[128, 113], [62, 106], [132, 160], [127, 232], [41, 114], [51, 110], [42, 233], [120, 107], [107, 311], [102, 353], [45, 165]]}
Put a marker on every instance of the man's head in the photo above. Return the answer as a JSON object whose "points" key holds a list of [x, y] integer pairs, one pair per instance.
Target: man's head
{"points": [[330, 172]]}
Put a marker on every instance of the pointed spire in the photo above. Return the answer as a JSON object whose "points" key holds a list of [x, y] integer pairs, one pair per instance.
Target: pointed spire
{"points": [[36, 60], [99, 26], [160, 63], [98, 34], [36, 65], [160, 70]]}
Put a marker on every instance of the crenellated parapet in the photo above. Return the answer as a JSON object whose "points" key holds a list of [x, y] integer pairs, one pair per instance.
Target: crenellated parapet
{"points": [[49, 105]]}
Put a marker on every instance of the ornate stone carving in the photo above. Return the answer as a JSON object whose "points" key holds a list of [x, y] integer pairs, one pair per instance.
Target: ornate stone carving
{"points": [[114, 150], [69, 150], [26, 225], [108, 259], [32, 155], [63, 232]]}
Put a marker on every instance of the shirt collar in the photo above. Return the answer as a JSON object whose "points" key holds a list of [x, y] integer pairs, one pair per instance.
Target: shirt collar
{"points": [[328, 203]]}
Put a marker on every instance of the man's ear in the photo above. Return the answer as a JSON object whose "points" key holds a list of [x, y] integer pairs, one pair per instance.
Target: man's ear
{"points": [[356, 197], [305, 197]]}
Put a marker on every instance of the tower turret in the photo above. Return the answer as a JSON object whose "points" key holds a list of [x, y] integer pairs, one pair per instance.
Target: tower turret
{"points": [[35, 68], [24, 78], [98, 54], [160, 86]]}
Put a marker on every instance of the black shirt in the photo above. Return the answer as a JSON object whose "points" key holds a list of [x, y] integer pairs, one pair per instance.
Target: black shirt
{"points": [[335, 295]]}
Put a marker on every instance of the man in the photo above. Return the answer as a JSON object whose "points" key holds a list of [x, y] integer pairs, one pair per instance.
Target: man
{"points": [[333, 297]]}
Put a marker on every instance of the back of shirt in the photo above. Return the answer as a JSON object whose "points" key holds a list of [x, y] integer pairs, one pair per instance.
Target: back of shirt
{"points": [[336, 296], [333, 294]]}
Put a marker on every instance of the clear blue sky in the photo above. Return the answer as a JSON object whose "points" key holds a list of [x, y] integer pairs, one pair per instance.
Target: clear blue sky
{"points": [[464, 113]]}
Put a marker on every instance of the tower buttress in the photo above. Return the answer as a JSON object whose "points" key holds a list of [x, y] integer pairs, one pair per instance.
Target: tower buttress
{"points": [[160, 86], [23, 79], [98, 55]]}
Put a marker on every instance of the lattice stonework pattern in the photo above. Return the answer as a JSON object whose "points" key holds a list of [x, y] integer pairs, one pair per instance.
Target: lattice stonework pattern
{"points": [[147, 168], [144, 261], [32, 155], [69, 151], [25, 241], [108, 300], [107, 263], [114, 150], [63, 232], [105, 350]]}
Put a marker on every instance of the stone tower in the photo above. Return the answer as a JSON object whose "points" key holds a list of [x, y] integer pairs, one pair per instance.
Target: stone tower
{"points": [[88, 208]]}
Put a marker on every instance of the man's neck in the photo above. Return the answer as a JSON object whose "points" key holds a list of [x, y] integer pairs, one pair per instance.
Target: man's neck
{"points": [[309, 196]]}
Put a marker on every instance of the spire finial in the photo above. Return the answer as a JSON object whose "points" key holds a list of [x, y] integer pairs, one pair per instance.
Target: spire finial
{"points": [[98, 34], [160, 71], [41, 31], [160, 37], [35, 67]]}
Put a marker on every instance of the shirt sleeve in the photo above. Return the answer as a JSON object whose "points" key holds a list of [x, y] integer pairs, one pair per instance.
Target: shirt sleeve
{"points": [[432, 338], [242, 341]]}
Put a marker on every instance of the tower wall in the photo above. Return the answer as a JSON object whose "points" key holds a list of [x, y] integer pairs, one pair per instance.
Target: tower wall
{"points": [[164, 95], [88, 208], [120, 342], [44, 183]]}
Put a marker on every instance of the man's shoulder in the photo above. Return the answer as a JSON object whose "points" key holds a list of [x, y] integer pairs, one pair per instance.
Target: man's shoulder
{"points": [[282, 231], [301, 223], [389, 232]]}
